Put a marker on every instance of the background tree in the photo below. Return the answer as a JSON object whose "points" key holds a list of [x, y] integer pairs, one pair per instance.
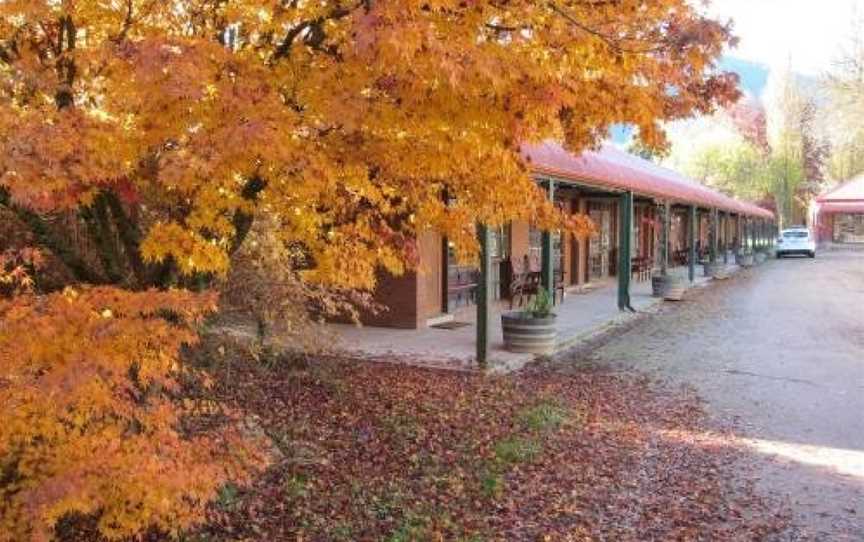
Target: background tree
{"points": [[141, 141], [772, 150], [844, 108], [796, 150]]}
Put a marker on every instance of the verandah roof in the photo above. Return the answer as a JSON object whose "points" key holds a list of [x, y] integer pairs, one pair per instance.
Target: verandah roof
{"points": [[615, 169]]}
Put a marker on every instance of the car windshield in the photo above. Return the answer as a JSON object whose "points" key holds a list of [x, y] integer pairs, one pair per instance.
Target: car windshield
{"points": [[795, 234]]}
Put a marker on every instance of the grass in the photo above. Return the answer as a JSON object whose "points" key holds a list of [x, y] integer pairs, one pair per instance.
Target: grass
{"points": [[296, 486], [405, 427], [545, 416], [541, 418], [342, 531], [228, 496], [492, 484], [387, 507], [411, 529], [516, 450]]}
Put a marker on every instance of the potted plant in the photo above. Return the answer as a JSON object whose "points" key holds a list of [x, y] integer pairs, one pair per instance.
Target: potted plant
{"points": [[668, 285], [533, 329], [659, 284]]}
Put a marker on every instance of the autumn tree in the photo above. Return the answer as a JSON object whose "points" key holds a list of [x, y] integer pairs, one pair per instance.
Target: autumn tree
{"points": [[160, 133]]}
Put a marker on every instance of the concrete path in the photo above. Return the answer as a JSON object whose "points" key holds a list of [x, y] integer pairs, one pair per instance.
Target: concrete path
{"points": [[780, 350], [580, 317]]}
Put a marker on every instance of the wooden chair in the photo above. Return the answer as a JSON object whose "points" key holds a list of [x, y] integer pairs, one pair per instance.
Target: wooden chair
{"points": [[526, 283], [642, 268], [523, 282]]}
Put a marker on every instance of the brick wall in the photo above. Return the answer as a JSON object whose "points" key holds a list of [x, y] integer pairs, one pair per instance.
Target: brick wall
{"points": [[398, 295]]}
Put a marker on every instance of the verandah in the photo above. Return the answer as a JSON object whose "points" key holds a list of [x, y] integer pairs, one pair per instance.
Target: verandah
{"points": [[627, 178]]}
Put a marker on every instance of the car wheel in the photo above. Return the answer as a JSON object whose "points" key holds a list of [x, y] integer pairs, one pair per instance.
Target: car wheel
{"points": [[812, 255], [779, 255]]}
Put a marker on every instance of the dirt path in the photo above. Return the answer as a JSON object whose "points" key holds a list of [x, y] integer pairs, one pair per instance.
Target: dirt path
{"points": [[780, 352]]}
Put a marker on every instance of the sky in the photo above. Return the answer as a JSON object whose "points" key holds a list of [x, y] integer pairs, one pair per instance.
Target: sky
{"points": [[812, 33]]}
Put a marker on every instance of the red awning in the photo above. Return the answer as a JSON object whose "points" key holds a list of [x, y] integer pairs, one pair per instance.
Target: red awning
{"points": [[615, 169]]}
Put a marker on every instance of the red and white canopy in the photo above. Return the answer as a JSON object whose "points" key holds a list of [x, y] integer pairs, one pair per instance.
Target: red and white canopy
{"points": [[846, 198]]}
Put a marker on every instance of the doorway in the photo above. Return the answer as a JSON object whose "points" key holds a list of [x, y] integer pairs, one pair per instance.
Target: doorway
{"points": [[600, 243]]}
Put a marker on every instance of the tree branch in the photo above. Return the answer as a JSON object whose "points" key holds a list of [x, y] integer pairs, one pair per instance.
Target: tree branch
{"points": [[243, 221], [315, 31], [608, 40], [37, 225]]}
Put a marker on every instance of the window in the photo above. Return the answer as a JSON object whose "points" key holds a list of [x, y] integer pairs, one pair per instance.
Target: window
{"points": [[535, 249], [796, 234], [500, 243]]}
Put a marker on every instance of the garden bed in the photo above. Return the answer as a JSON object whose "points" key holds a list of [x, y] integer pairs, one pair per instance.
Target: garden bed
{"points": [[382, 452]]}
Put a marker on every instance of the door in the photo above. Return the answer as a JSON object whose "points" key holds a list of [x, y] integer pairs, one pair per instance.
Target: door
{"points": [[600, 242]]}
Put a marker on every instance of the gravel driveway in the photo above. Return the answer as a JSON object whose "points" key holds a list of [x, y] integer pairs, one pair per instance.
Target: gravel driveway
{"points": [[779, 351]]}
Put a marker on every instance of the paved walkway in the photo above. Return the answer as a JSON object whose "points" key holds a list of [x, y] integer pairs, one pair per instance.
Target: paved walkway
{"points": [[581, 316], [779, 352]]}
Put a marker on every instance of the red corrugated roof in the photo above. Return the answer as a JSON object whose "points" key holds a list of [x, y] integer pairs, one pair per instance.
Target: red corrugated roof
{"points": [[841, 206], [852, 190], [615, 169]]}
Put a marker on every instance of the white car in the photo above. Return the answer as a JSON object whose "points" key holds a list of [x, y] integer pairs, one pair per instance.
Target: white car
{"points": [[796, 240]]}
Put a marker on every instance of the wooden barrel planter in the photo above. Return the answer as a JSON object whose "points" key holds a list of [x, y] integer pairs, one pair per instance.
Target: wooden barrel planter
{"points": [[524, 333], [745, 260], [675, 288], [659, 285], [714, 269]]}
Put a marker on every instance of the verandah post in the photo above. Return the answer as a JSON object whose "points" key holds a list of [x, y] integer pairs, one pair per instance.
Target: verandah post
{"points": [[738, 237], [664, 237], [759, 233], [691, 220], [547, 268], [725, 237], [748, 234], [625, 264], [752, 227], [713, 235], [484, 295]]}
